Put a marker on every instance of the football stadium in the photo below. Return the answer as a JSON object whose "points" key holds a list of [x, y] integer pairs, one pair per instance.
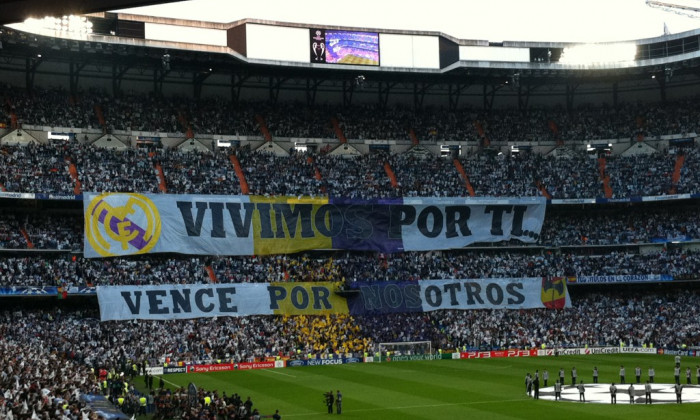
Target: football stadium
{"points": [[219, 210]]}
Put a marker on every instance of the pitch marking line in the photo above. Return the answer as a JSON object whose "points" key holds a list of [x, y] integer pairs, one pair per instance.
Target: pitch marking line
{"points": [[171, 383], [364, 410], [279, 373], [503, 367]]}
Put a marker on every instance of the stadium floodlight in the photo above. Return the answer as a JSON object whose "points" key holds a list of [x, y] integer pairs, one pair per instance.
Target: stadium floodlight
{"points": [[66, 24], [588, 54]]}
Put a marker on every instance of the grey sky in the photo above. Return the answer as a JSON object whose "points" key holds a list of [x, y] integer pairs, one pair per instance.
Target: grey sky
{"points": [[493, 20]]}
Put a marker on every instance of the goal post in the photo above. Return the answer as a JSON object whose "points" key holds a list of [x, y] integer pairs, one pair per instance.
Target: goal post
{"points": [[404, 348]]}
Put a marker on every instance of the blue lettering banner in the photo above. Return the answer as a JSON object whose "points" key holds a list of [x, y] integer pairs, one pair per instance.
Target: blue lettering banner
{"points": [[432, 295], [320, 298], [119, 224]]}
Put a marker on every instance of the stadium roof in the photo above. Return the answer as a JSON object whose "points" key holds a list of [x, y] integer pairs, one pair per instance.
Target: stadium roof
{"points": [[13, 11], [493, 20], [132, 45]]}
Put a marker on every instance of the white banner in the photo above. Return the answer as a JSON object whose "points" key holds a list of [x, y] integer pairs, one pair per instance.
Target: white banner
{"points": [[643, 350], [154, 371], [183, 301], [119, 224], [594, 350], [501, 293]]}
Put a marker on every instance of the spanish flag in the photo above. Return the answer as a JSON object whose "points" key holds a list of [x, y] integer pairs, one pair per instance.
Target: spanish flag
{"points": [[554, 292]]}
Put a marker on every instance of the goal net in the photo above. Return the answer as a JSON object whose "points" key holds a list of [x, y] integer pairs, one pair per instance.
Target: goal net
{"points": [[405, 348]]}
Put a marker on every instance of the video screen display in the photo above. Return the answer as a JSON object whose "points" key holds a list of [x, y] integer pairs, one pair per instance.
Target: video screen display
{"points": [[344, 47]]}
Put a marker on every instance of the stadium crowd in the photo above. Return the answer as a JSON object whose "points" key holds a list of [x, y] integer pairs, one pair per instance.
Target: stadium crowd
{"points": [[51, 357], [345, 267], [55, 107], [68, 348], [614, 226], [43, 168], [46, 169]]}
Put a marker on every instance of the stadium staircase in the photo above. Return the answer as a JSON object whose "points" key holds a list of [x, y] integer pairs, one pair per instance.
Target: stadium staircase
{"points": [[317, 173], [73, 171], [676, 177], [413, 137], [239, 173], [338, 131], [465, 178], [24, 233], [543, 190], [186, 126], [162, 186], [554, 128], [100, 117], [482, 134], [392, 176], [640, 126], [263, 127], [211, 274], [607, 189]]}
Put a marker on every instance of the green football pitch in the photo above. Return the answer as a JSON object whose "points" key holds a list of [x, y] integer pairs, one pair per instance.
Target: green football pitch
{"points": [[441, 389]]}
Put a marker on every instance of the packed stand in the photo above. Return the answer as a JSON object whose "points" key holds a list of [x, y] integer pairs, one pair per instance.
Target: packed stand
{"points": [[620, 227], [75, 351], [690, 172], [427, 176], [346, 267], [52, 107], [42, 374], [667, 318], [45, 169], [269, 175], [55, 107], [43, 231], [199, 173], [663, 319], [35, 169], [361, 177], [640, 175], [102, 170]]}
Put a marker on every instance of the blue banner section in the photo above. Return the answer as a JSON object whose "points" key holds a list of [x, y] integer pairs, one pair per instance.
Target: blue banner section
{"points": [[45, 291], [39, 196], [639, 278], [323, 362], [633, 199], [590, 200], [29, 291], [100, 405], [433, 295], [385, 297]]}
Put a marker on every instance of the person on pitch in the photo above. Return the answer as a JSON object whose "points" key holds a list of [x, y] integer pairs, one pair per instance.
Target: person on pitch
{"points": [[647, 393], [557, 390], [581, 392], [613, 394]]}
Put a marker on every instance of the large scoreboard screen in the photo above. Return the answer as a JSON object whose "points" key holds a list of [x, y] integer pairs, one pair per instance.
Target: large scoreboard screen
{"points": [[344, 47]]}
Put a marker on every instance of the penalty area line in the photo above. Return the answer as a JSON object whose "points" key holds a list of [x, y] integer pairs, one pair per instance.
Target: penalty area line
{"points": [[365, 410]]}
